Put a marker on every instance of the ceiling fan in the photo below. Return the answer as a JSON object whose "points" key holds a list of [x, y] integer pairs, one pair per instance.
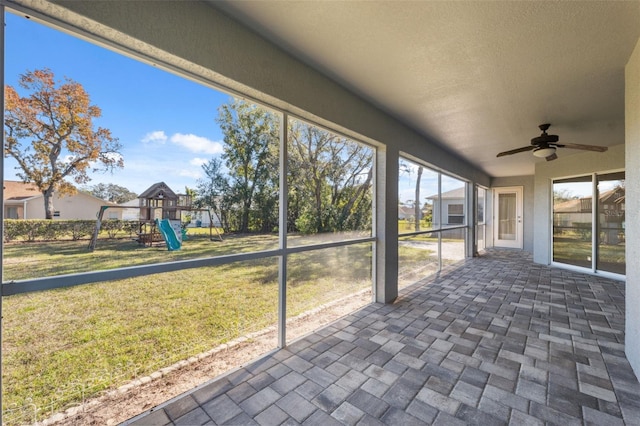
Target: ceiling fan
{"points": [[544, 146]]}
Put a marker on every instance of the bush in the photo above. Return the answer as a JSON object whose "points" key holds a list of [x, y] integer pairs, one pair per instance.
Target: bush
{"points": [[81, 228], [51, 230], [32, 230], [111, 227]]}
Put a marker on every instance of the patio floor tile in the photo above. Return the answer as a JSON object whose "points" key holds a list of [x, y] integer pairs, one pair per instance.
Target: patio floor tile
{"points": [[491, 340]]}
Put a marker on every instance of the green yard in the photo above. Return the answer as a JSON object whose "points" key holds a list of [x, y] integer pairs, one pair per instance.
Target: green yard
{"points": [[63, 345]]}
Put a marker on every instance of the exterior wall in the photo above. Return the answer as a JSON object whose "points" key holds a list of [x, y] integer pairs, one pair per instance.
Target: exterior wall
{"points": [[574, 165], [632, 182], [77, 206], [17, 211], [527, 184], [444, 211]]}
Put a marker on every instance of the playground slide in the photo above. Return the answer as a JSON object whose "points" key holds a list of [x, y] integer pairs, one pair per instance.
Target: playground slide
{"points": [[168, 234]]}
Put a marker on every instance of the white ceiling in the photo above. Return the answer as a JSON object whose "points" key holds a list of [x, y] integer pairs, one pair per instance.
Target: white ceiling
{"points": [[476, 77]]}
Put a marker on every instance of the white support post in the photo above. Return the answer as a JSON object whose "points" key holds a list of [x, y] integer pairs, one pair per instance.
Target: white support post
{"points": [[386, 251]]}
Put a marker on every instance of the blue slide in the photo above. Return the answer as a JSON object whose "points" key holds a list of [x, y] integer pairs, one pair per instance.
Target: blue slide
{"points": [[168, 234]]}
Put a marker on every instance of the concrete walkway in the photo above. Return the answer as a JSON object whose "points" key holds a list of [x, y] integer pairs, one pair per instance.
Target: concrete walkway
{"points": [[495, 340]]}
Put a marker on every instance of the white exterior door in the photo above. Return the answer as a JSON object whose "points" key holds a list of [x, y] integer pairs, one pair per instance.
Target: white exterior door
{"points": [[508, 228]]}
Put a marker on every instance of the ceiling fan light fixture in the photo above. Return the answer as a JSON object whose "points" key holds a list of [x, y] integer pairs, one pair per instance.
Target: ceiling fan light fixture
{"points": [[544, 152]]}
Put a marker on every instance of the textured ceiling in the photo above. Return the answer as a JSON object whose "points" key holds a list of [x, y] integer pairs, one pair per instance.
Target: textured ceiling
{"points": [[476, 77]]}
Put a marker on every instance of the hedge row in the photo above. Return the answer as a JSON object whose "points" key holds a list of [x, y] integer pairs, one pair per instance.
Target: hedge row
{"points": [[51, 230]]}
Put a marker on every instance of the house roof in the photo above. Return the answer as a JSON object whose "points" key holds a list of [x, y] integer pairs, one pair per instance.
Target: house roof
{"points": [[406, 211], [19, 191], [159, 190], [454, 193], [131, 203], [583, 205]]}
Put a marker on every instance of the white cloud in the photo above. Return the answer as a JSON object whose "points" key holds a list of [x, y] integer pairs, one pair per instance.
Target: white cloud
{"points": [[67, 159], [157, 136], [189, 173], [197, 161], [197, 144]]}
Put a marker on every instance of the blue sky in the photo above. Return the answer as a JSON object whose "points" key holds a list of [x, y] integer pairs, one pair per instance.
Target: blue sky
{"points": [[165, 123]]}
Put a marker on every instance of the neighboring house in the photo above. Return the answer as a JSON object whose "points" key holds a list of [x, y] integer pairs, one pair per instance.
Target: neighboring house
{"points": [[24, 201], [405, 212], [453, 207], [133, 210], [577, 213], [16, 194]]}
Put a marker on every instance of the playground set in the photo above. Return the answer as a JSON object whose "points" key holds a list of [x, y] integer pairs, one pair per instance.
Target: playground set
{"points": [[160, 218]]}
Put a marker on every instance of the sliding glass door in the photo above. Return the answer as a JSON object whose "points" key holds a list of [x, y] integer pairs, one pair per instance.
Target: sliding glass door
{"points": [[588, 234], [611, 222], [573, 221]]}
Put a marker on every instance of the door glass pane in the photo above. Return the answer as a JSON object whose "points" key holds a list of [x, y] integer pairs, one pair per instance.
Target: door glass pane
{"points": [[572, 223], [507, 209], [480, 227], [611, 223]]}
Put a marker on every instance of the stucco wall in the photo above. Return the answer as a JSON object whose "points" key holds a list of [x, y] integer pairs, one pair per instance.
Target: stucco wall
{"points": [[77, 206], [573, 165], [527, 183], [632, 136]]}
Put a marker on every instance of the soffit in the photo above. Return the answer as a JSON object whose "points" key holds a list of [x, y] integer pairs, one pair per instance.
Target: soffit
{"points": [[475, 77]]}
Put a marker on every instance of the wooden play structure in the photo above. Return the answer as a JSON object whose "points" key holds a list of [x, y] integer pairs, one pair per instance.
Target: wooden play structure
{"points": [[159, 204]]}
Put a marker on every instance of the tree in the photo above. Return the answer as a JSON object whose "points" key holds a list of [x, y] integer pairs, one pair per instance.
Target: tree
{"points": [[329, 181], [112, 192], [50, 133], [563, 194], [417, 212], [251, 136], [187, 216], [406, 168], [212, 190]]}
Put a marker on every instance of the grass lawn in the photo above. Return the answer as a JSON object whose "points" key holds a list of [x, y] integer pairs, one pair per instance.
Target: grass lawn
{"points": [[63, 345], [42, 259], [573, 250]]}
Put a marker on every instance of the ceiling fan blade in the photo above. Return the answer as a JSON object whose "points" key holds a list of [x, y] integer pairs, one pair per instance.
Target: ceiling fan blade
{"points": [[551, 157], [516, 151], [594, 148]]}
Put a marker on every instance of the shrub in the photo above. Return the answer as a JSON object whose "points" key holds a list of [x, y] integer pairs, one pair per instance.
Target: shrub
{"points": [[48, 230], [81, 228], [111, 227]]}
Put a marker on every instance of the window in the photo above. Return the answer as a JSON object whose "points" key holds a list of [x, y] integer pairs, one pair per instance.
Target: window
{"points": [[455, 214], [12, 213]]}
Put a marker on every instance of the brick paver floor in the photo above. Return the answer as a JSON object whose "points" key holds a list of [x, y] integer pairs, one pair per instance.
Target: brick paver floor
{"points": [[494, 340]]}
